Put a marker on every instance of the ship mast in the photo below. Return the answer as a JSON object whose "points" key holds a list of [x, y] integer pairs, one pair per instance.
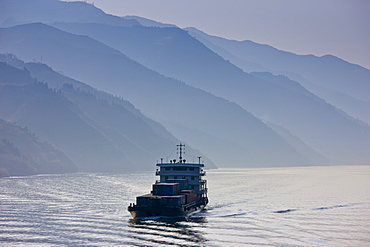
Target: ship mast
{"points": [[180, 146], [187, 175]]}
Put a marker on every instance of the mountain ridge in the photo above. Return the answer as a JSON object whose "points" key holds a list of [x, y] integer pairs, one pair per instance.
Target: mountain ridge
{"points": [[267, 100], [174, 78], [108, 137], [349, 97], [54, 10], [129, 83]]}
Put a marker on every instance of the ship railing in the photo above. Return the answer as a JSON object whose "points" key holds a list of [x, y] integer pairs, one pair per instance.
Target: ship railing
{"points": [[179, 173], [189, 205], [199, 182], [203, 191]]}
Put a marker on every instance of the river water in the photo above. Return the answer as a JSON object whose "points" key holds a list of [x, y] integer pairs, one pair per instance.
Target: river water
{"points": [[306, 206]]}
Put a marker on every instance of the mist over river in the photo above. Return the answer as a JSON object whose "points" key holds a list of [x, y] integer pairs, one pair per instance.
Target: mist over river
{"points": [[305, 206]]}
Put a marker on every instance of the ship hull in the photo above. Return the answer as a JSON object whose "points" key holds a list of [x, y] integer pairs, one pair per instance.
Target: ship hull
{"points": [[164, 211]]}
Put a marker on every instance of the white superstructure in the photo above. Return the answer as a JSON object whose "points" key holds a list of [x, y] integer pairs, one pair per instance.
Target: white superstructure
{"points": [[187, 175]]}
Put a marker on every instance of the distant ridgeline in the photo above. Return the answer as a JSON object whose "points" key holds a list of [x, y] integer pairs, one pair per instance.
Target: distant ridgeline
{"points": [[67, 129], [242, 104]]}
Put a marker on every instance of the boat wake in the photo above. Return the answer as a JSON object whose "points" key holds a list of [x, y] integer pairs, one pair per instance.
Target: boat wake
{"points": [[234, 215], [336, 206], [285, 211]]}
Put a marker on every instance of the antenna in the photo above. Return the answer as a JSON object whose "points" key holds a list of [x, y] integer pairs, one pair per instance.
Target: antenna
{"points": [[199, 157], [180, 146]]}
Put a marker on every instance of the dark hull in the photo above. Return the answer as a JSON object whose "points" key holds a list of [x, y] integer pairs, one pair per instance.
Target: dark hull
{"points": [[165, 211]]}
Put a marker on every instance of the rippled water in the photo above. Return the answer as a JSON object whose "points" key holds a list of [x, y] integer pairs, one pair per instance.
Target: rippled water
{"points": [[311, 206]]}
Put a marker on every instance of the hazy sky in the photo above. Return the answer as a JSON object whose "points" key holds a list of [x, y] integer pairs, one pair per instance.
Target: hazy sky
{"points": [[319, 27]]}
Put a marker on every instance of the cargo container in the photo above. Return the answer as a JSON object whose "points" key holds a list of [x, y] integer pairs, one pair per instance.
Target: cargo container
{"points": [[183, 183], [143, 200], [175, 201], [190, 195], [166, 189]]}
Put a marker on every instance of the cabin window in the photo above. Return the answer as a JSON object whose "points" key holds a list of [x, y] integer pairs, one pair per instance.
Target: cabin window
{"points": [[183, 177], [179, 168], [192, 178], [191, 168], [192, 187], [166, 177], [175, 177], [167, 168]]}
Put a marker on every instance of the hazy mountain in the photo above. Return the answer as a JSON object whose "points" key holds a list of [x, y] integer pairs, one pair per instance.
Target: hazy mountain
{"points": [[234, 132], [97, 134], [23, 153], [15, 12], [146, 22], [300, 146], [340, 83], [57, 120], [57, 81], [246, 65], [173, 52], [13, 75], [357, 108]]}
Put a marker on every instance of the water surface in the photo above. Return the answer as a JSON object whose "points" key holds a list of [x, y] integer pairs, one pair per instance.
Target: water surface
{"points": [[309, 206]]}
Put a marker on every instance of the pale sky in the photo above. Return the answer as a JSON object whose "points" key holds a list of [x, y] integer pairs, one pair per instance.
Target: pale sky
{"points": [[319, 27]]}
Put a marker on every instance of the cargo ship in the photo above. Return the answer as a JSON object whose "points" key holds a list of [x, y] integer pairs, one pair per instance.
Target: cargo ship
{"points": [[180, 190]]}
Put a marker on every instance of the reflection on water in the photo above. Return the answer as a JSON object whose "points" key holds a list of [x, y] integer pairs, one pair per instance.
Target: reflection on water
{"points": [[170, 230], [171, 220]]}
